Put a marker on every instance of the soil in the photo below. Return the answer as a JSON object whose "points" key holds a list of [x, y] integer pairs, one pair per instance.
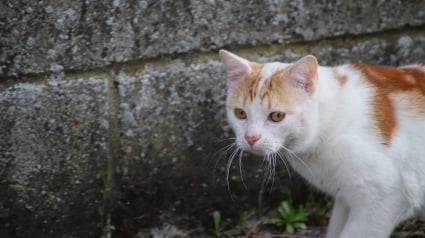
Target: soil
{"points": [[410, 229]]}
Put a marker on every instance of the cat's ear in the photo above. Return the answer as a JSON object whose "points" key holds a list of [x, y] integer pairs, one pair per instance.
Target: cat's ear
{"points": [[303, 74], [236, 67]]}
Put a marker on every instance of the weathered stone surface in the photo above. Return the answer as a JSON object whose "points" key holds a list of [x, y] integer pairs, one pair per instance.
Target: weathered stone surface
{"points": [[139, 142], [52, 158], [40, 36], [384, 49], [170, 127]]}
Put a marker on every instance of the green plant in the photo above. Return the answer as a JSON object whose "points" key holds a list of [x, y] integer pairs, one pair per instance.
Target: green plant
{"points": [[243, 219], [218, 227], [318, 208], [286, 216]]}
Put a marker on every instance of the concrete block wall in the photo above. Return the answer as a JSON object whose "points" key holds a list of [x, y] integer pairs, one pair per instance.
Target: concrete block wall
{"points": [[112, 113]]}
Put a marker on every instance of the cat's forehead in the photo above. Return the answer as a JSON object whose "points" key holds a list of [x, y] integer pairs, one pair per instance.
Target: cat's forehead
{"points": [[264, 85], [268, 69]]}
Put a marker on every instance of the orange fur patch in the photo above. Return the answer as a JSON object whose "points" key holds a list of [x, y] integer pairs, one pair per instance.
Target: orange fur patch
{"points": [[384, 116], [391, 83], [278, 91], [342, 78], [247, 89], [274, 91], [274, 83], [254, 79]]}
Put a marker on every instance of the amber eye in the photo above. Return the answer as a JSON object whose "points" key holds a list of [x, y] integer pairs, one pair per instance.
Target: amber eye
{"points": [[239, 113], [277, 116]]}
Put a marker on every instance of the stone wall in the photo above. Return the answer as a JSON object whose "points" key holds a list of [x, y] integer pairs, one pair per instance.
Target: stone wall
{"points": [[112, 114]]}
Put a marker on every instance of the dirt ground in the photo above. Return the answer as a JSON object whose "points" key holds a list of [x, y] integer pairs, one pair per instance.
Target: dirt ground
{"points": [[410, 229]]}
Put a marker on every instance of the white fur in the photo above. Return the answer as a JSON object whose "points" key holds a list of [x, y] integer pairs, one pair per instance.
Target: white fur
{"points": [[374, 186]]}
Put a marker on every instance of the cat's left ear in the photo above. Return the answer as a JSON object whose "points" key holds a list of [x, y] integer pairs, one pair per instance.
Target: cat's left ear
{"points": [[303, 74], [236, 67]]}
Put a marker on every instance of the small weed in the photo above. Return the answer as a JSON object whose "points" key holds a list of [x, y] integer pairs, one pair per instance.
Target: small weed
{"points": [[319, 208], [286, 216], [243, 219], [218, 226]]}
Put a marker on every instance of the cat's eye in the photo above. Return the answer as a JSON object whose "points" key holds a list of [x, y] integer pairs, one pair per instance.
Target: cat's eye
{"points": [[239, 113], [277, 116]]}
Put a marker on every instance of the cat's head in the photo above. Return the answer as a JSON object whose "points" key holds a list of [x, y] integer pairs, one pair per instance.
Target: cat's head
{"points": [[271, 106]]}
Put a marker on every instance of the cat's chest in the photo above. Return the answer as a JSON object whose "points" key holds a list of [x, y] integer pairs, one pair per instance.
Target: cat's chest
{"points": [[324, 176], [342, 166]]}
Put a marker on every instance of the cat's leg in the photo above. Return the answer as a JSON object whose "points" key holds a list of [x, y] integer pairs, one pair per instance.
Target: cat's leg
{"points": [[338, 218], [375, 217]]}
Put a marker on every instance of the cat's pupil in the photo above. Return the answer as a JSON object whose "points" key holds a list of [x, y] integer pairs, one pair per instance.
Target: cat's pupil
{"points": [[239, 113], [277, 116]]}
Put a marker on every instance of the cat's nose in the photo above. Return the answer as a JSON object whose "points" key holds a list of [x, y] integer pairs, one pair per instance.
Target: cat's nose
{"points": [[252, 138]]}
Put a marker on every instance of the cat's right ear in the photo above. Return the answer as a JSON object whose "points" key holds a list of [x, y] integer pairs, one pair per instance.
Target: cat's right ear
{"points": [[236, 67]]}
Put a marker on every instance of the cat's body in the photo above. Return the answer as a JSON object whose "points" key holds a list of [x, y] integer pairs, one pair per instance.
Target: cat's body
{"points": [[356, 132]]}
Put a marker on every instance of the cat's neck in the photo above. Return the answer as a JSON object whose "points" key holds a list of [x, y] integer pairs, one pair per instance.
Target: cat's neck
{"points": [[338, 98]]}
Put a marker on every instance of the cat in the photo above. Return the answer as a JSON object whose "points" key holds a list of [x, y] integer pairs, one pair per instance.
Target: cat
{"points": [[355, 132]]}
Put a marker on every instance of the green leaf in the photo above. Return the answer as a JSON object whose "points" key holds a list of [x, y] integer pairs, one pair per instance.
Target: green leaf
{"points": [[286, 207], [281, 211], [300, 225], [232, 232], [244, 219], [217, 220], [290, 229], [275, 221], [286, 215], [291, 217], [300, 216]]}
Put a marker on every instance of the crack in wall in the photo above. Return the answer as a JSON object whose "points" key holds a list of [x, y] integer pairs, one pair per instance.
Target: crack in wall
{"points": [[113, 153]]}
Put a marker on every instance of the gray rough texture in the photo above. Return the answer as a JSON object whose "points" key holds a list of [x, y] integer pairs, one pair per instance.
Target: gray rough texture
{"points": [[40, 36], [106, 127], [53, 157]]}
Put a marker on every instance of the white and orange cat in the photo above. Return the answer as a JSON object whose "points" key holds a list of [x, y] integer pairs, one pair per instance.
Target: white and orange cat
{"points": [[356, 132]]}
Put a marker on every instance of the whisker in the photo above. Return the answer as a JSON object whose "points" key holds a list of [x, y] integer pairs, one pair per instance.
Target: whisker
{"points": [[282, 159], [240, 169], [266, 170], [293, 155], [223, 152], [262, 162], [226, 139], [226, 147], [229, 165], [269, 169], [273, 170]]}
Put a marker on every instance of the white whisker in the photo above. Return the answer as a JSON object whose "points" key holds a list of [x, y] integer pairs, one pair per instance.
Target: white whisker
{"points": [[226, 139], [270, 167], [282, 159], [293, 155], [273, 164], [223, 152], [266, 170], [269, 171], [240, 168], [229, 165]]}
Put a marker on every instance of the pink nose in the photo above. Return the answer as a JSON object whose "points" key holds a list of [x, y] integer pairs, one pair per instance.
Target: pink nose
{"points": [[252, 138]]}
